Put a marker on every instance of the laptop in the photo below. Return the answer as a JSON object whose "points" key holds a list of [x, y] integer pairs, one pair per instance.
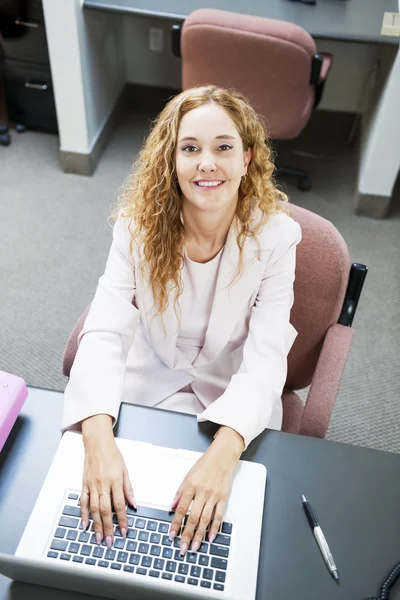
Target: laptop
{"points": [[54, 550]]}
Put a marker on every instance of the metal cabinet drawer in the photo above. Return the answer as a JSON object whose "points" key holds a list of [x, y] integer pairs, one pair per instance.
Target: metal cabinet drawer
{"points": [[29, 42], [29, 96]]}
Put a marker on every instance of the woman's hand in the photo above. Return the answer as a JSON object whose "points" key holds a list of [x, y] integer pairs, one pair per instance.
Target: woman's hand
{"points": [[105, 480], [208, 484]]}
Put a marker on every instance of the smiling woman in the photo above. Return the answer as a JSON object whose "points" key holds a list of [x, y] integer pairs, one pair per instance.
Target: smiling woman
{"points": [[192, 312]]}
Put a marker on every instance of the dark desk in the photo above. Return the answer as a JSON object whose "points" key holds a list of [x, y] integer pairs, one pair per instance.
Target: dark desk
{"points": [[355, 492], [352, 20]]}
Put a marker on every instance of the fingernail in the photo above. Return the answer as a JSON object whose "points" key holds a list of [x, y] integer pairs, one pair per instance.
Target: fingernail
{"points": [[133, 502], [123, 532], [184, 547], [212, 537], [195, 546], [99, 538], [172, 534], [109, 541], [83, 525]]}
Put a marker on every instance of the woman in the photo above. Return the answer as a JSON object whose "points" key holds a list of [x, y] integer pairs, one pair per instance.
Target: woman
{"points": [[192, 312]]}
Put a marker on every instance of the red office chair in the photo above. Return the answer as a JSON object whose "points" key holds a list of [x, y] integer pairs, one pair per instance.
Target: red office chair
{"points": [[324, 307], [274, 63]]}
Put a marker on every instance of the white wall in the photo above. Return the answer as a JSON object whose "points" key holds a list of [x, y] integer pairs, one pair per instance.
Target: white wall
{"points": [[88, 70]]}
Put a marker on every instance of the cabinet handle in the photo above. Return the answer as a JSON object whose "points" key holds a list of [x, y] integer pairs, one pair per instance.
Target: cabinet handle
{"points": [[33, 24], [36, 86]]}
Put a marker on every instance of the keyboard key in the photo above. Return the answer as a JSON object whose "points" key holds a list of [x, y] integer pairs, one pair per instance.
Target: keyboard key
{"points": [[177, 556], [191, 557], [74, 547], [219, 563], [218, 586], [171, 566], [166, 541], [158, 564], [51, 554], [166, 576], [163, 528], [98, 552], [203, 560], [141, 571], [122, 557], [195, 571], [179, 579], [72, 534], [219, 551], [86, 550], [68, 522], [65, 556], [150, 513], [58, 545], [103, 563], [144, 548], [140, 523], [115, 519], [167, 552], [90, 561], [155, 550], [72, 496], [93, 539], [151, 526], [192, 581], [131, 546], [119, 543], [78, 559], [132, 533], [134, 559], [203, 548], [183, 569], [84, 537], [154, 573], [220, 576], [205, 584], [155, 538], [208, 573], [116, 566], [226, 528], [177, 542], [110, 554], [128, 568], [71, 511], [146, 561], [223, 540], [143, 536], [60, 532], [130, 521]]}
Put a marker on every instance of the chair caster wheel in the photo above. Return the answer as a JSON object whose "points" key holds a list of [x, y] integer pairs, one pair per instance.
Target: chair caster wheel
{"points": [[5, 139], [304, 184], [20, 128]]}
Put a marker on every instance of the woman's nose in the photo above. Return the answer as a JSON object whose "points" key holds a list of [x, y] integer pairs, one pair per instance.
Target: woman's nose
{"points": [[207, 163]]}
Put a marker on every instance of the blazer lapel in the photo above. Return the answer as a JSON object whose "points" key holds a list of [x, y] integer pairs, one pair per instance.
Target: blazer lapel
{"points": [[229, 300]]}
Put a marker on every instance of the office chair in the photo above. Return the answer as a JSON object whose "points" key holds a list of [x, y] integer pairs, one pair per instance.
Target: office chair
{"points": [[325, 301], [274, 63]]}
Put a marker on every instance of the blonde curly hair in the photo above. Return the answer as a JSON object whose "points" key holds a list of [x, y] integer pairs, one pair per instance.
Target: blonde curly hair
{"points": [[151, 200]]}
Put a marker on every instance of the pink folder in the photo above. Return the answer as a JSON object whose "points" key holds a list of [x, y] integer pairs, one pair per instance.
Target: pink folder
{"points": [[13, 393]]}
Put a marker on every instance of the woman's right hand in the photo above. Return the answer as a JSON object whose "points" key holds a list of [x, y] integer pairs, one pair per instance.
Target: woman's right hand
{"points": [[104, 471]]}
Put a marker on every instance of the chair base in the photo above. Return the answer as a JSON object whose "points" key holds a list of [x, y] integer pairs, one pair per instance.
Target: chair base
{"points": [[303, 181]]}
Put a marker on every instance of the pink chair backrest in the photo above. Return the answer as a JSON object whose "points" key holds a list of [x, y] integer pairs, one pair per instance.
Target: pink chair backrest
{"points": [[322, 274], [267, 60]]}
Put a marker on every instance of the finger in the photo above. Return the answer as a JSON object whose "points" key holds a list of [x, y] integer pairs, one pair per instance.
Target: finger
{"points": [[181, 510], [128, 490], [195, 519], [95, 510], [176, 499], [120, 507], [218, 518], [84, 504], [204, 521], [105, 510]]}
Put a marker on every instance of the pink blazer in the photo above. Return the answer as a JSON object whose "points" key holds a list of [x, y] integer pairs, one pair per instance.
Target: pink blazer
{"points": [[124, 354]]}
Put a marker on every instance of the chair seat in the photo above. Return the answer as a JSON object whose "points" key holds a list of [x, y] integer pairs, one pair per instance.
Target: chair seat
{"points": [[292, 411]]}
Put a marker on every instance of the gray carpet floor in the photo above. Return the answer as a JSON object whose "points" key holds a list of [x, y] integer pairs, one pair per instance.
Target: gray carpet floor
{"points": [[55, 240]]}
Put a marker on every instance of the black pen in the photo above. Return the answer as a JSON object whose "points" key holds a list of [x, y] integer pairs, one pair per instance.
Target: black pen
{"points": [[320, 539]]}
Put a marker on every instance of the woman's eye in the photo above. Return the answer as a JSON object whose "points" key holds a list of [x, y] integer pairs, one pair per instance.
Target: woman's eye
{"points": [[188, 148], [227, 146]]}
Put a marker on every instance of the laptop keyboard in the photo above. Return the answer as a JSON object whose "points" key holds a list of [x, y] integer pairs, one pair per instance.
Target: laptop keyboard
{"points": [[146, 550]]}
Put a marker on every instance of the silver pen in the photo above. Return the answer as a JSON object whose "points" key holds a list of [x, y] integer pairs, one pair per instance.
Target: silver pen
{"points": [[320, 539]]}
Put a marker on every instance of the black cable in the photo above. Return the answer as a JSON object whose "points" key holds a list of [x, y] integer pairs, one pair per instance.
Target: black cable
{"points": [[388, 583]]}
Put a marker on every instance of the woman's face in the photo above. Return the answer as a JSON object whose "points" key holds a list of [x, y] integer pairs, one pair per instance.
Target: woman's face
{"points": [[210, 159]]}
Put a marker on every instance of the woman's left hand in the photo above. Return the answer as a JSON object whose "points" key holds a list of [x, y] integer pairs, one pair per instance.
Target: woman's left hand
{"points": [[208, 484]]}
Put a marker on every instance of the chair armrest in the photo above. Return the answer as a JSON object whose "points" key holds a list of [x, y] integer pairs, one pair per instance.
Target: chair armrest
{"points": [[326, 381], [72, 344], [323, 71]]}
